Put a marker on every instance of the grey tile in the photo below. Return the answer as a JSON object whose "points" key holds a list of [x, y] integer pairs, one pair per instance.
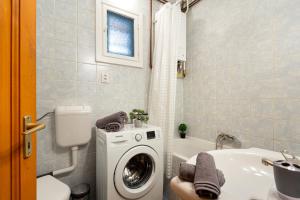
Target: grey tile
{"points": [[45, 8], [65, 31], [45, 47], [65, 51], [87, 18], [287, 130], [63, 70], [86, 37], [45, 26], [291, 146], [66, 10], [87, 5], [87, 72], [87, 54]]}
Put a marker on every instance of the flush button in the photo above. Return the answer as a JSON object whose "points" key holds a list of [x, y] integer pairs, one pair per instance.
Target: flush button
{"points": [[138, 137]]}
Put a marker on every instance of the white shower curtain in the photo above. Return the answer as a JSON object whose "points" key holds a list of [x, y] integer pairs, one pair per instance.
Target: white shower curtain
{"points": [[162, 92]]}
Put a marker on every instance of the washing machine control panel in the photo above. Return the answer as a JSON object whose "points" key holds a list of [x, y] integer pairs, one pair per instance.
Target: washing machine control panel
{"points": [[146, 135], [138, 137]]}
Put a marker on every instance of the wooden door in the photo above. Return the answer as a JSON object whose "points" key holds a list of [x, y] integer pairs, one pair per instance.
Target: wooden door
{"points": [[17, 97]]}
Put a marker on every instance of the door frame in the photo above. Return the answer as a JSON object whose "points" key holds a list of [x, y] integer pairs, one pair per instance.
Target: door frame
{"points": [[18, 97], [5, 100]]}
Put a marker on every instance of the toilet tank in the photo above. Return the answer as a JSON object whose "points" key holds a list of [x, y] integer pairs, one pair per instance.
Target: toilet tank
{"points": [[73, 125]]}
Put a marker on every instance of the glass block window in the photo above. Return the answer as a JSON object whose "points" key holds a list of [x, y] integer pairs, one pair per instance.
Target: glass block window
{"points": [[120, 34]]}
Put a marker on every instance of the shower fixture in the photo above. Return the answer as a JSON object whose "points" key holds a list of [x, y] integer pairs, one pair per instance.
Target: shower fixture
{"points": [[223, 137]]}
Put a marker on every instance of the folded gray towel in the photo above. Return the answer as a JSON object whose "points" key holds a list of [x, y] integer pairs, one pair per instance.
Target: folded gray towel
{"points": [[206, 180], [120, 117], [187, 173], [114, 126]]}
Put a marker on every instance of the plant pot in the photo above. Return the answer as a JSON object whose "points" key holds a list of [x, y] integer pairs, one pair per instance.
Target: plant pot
{"points": [[138, 123], [182, 135]]}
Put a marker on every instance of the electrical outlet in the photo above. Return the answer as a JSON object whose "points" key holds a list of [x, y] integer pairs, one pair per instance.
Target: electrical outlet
{"points": [[105, 77]]}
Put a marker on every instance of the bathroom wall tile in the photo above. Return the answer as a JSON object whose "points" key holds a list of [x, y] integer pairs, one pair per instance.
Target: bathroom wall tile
{"points": [[242, 108], [45, 47], [86, 72], [253, 48], [44, 86], [44, 63], [289, 89], [261, 128], [62, 157], [287, 109], [87, 19], [87, 5], [46, 148], [45, 26], [291, 146], [66, 10], [86, 92], [287, 37], [65, 32], [90, 148], [87, 162], [225, 125], [64, 70], [86, 36], [248, 142], [287, 130], [64, 92], [287, 73], [65, 51], [44, 166], [45, 8], [44, 106], [87, 54], [52, 70], [263, 108]]}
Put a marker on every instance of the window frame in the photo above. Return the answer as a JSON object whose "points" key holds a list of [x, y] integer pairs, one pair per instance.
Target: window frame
{"points": [[102, 54]]}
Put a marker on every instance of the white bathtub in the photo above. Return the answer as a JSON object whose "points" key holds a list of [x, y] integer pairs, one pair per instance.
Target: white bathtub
{"points": [[183, 149], [186, 148]]}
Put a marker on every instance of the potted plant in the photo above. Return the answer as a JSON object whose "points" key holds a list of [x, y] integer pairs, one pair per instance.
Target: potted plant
{"points": [[138, 117], [182, 130]]}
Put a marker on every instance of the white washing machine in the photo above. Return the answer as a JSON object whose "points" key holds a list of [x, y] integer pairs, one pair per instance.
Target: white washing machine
{"points": [[130, 164]]}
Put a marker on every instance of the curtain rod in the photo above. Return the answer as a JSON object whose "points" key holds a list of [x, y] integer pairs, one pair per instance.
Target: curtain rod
{"points": [[191, 4], [162, 1]]}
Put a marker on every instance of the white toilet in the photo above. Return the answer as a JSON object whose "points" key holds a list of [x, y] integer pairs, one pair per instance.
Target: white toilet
{"points": [[49, 188], [73, 128]]}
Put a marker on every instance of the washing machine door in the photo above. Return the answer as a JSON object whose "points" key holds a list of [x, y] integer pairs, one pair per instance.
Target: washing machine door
{"points": [[136, 172]]}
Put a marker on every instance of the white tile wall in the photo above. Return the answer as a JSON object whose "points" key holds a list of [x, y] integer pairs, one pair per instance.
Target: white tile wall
{"points": [[67, 72], [243, 72]]}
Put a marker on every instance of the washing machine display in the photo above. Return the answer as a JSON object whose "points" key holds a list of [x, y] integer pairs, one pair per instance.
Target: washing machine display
{"points": [[150, 135], [138, 170]]}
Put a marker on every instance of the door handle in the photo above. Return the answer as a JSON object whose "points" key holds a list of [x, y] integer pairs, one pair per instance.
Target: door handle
{"points": [[28, 129], [33, 127]]}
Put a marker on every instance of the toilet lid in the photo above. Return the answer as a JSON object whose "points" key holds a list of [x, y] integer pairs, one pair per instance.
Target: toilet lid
{"points": [[49, 188]]}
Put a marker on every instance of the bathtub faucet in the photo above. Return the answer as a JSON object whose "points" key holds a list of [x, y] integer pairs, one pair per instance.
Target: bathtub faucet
{"points": [[222, 138]]}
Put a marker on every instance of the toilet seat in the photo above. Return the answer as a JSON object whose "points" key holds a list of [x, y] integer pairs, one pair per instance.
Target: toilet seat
{"points": [[49, 188]]}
